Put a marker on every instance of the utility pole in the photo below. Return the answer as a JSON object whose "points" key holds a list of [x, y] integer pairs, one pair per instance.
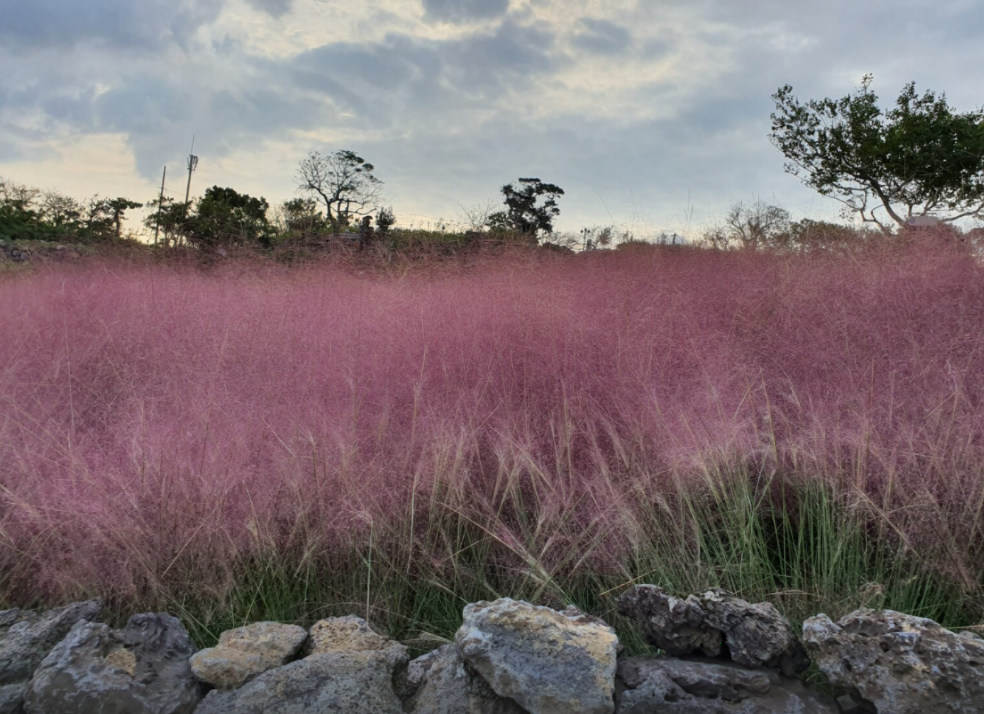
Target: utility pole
{"points": [[192, 165], [160, 207]]}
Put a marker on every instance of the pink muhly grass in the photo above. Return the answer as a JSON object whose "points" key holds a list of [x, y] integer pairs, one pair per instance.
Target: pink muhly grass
{"points": [[157, 425]]}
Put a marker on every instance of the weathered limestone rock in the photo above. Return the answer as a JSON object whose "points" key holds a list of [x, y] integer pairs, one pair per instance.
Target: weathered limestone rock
{"points": [[343, 634], [755, 635], [26, 638], [358, 680], [548, 662], [12, 698], [441, 682], [661, 685], [141, 669], [245, 652], [900, 663]]}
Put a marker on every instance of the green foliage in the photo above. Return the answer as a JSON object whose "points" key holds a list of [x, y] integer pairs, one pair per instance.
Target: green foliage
{"points": [[115, 208], [385, 220], [523, 213], [917, 158], [301, 215], [792, 542], [225, 217], [31, 214], [167, 222], [343, 182]]}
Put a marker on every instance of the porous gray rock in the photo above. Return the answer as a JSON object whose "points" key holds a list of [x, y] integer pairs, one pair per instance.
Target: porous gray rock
{"points": [[547, 661], [12, 698], [663, 685], [245, 652], [714, 624], [900, 663], [355, 681], [141, 669], [26, 638], [441, 682]]}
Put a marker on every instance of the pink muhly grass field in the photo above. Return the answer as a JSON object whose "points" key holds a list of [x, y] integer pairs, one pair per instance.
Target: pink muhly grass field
{"points": [[158, 425]]}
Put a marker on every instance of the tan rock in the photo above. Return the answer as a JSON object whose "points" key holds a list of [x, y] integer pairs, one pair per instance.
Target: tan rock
{"points": [[353, 682], [343, 634], [123, 659], [246, 652]]}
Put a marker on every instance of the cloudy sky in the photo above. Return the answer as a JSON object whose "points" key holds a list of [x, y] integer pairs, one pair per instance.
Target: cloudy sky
{"points": [[653, 114]]}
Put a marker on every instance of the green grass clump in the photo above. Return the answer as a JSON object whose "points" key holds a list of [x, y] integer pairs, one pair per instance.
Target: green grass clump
{"points": [[792, 542]]}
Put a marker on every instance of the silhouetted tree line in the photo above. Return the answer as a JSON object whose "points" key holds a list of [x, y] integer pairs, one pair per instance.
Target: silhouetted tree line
{"points": [[919, 161], [32, 214]]}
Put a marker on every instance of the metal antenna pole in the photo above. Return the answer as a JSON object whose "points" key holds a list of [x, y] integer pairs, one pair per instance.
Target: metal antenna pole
{"points": [[192, 165], [160, 206]]}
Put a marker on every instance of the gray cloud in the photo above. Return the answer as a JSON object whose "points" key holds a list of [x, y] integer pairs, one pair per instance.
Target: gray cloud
{"points": [[158, 117], [401, 78], [602, 37], [122, 23], [275, 8], [464, 10], [449, 121]]}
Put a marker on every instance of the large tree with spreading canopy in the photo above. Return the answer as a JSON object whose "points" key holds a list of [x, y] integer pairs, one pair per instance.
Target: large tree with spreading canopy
{"points": [[919, 158]]}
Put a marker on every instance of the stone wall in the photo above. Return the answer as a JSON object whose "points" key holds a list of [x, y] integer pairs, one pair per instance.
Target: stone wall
{"points": [[720, 655], [34, 251]]}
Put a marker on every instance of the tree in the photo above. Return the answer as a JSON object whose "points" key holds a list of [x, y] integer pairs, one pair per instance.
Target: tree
{"points": [[754, 226], [62, 212], [168, 219], [20, 215], [523, 214], [917, 158], [758, 225], [31, 214], [343, 182], [103, 218], [385, 220], [117, 207], [300, 215], [226, 217]]}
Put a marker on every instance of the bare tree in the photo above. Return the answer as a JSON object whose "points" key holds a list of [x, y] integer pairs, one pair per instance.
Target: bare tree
{"points": [[17, 195], [476, 218], [756, 226], [343, 182]]}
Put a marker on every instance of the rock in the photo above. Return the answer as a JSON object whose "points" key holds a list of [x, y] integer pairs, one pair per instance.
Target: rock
{"points": [[26, 638], [713, 624], [441, 682], [663, 685], [900, 663], [343, 634], [141, 669], [246, 652], [547, 661], [12, 698], [710, 680], [849, 705], [356, 681]]}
